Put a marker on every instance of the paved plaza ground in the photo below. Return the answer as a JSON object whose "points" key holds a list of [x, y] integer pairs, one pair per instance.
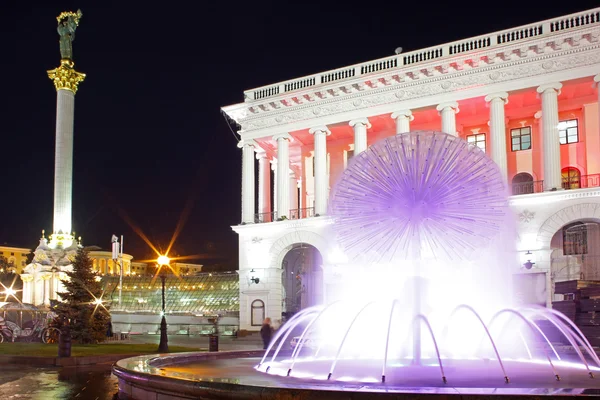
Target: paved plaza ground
{"points": [[92, 382]]}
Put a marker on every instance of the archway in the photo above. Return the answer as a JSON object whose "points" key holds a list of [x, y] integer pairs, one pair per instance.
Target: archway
{"points": [[576, 251], [571, 178], [522, 183], [302, 278]]}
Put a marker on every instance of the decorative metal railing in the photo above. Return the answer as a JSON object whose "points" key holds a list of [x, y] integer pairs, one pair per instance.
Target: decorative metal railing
{"points": [[301, 213], [527, 187], [581, 182], [260, 218], [508, 36]]}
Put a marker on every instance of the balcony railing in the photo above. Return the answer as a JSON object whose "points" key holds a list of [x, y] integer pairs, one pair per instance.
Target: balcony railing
{"points": [[581, 182], [508, 36], [527, 187], [298, 213], [573, 182], [260, 218], [301, 213]]}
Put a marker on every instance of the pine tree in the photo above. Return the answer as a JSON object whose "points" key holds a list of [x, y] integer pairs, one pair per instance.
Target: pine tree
{"points": [[88, 321]]}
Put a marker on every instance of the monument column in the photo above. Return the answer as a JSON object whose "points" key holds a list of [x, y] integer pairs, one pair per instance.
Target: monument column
{"points": [[552, 172], [360, 134], [264, 186], [321, 185], [498, 130], [448, 113], [283, 176], [247, 147], [66, 81], [403, 119]]}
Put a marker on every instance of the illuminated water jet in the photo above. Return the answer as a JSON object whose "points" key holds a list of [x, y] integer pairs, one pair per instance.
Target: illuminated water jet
{"points": [[424, 219]]}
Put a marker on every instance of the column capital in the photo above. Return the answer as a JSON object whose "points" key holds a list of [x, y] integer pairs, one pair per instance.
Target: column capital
{"points": [[246, 142], [321, 128], [361, 121], [285, 135], [498, 95], [451, 104], [403, 113], [65, 77], [538, 115], [556, 86], [261, 154], [597, 79]]}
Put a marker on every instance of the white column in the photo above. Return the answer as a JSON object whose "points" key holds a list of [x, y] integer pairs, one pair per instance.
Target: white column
{"points": [[248, 182], [283, 179], [448, 113], [264, 185], [293, 192], [274, 169], [498, 130], [63, 161], [26, 294], [360, 134], [321, 185], [402, 118], [46, 279], [552, 173]]}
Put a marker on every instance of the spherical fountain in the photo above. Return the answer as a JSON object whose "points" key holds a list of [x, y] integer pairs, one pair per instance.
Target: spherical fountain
{"points": [[426, 216], [421, 303]]}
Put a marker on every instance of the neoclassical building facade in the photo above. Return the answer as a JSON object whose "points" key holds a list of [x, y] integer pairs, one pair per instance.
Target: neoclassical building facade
{"points": [[528, 96]]}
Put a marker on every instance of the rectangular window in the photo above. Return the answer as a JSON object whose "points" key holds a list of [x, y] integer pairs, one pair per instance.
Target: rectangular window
{"points": [[477, 140], [520, 138], [568, 132]]}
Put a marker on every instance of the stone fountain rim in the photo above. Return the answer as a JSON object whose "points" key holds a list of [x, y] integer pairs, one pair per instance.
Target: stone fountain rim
{"points": [[152, 384]]}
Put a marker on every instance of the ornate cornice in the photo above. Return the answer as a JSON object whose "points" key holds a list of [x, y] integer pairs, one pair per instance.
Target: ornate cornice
{"points": [[554, 54], [65, 77]]}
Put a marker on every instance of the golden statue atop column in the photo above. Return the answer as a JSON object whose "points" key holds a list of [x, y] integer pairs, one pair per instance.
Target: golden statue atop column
{"points": [[65, 76]]}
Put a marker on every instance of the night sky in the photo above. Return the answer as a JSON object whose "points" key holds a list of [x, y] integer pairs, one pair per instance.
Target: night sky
{"points": [[149, 135]]}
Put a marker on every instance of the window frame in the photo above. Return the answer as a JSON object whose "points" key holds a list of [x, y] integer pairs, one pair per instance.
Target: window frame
{"points": [[520, 138], [476, 136], [566, 131], [259, 305]]}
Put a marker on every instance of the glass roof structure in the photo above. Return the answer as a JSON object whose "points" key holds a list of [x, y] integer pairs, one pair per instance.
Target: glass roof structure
{"points": [[200, 294]]}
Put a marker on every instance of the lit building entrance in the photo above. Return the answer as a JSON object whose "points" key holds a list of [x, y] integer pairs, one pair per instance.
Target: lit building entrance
{"points": [[302, 279]]}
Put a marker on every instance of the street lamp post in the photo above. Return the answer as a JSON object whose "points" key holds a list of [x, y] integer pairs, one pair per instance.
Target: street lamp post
{"points": [[163, 346]]}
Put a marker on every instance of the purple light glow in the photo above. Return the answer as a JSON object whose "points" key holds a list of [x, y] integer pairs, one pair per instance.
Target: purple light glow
{"points": [[424, 221], [415, 195]]}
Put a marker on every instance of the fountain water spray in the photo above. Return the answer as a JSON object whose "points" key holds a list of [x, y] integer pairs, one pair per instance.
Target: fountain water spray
{"points": [[424, 219]]}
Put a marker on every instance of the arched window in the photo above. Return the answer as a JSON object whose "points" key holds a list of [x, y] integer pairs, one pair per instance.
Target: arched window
{"points": [[575, 239], [571, 178], [257, 315], [522, 183]]}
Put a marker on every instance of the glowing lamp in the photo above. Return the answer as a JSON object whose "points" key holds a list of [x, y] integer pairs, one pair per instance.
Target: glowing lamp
{"points": [[98, 302], [10, 292], [163, 260]]}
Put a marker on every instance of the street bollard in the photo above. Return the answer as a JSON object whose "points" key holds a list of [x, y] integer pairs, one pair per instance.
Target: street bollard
{"points": [[64, 341], [213, 342]]}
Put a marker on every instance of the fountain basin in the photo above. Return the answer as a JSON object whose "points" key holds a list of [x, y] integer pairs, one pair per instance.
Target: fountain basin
{"points": [[232, 375]]}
